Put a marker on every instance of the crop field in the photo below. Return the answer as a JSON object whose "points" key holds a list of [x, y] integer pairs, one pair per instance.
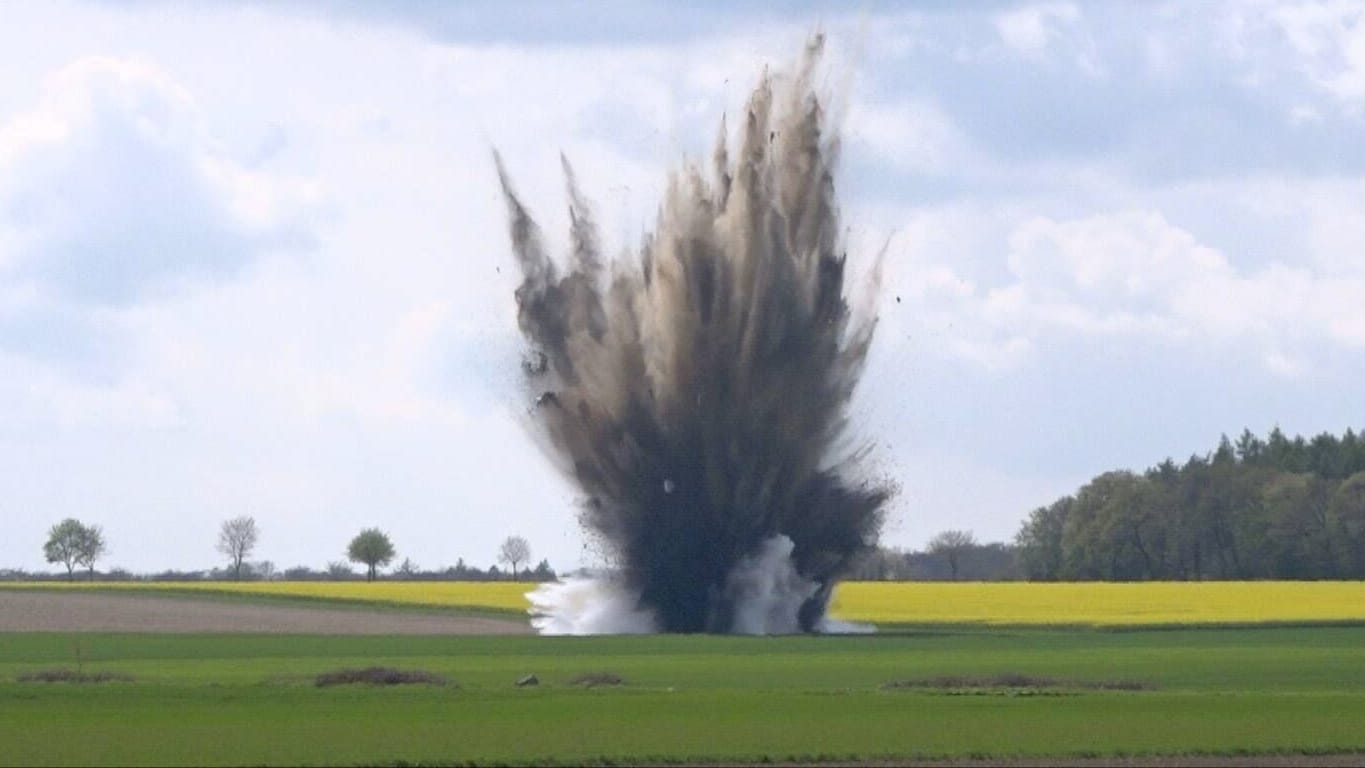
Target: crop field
{"points": [[884, 603], [495, 596], [1102, 604], [256, 699], [957, 671]]}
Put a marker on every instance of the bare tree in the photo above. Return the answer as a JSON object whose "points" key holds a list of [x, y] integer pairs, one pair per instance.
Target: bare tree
{"points": [[951, 544], [236, 540], [514, 551]]}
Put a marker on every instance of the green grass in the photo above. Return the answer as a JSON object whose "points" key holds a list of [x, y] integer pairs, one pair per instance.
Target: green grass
{"points": [[226, 699]]}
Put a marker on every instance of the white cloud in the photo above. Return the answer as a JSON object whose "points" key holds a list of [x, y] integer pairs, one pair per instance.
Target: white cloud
{"points": [[1129, 275], [994, 355], [1126, 258], [911, 136], [342, 351], [375, 366], [39, 397], [1037, 31], [1304, 114], [111, 186], [1161, 59], [266, 347], [1329, 38], [1030, 29], [1285, 366], [1335, 222]]}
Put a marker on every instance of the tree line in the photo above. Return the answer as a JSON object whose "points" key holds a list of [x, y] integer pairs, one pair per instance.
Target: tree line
{"points": [[1254, 508], [73, 544], [1272, 508], [952, 555]]}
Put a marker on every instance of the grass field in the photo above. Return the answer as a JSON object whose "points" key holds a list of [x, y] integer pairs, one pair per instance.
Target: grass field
{"points": [[214, 699], [905, 603], [1012, 670]]}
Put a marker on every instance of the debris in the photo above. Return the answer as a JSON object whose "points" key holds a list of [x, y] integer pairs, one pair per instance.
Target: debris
{"points": [[535, 363]]}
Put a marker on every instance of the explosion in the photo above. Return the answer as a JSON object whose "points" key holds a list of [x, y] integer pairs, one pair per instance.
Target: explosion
{"points": [[697, 391]]}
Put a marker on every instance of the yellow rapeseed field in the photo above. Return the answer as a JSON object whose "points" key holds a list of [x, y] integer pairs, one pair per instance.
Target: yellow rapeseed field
{"points": [[1100, 603], [1040, 604], [504, 595]]}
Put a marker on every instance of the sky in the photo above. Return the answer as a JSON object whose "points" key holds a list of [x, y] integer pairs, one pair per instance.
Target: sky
{"points": [[254, 259]]}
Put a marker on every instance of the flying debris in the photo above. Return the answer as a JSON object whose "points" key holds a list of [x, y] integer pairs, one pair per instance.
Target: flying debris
{"points": [[700, 388]]}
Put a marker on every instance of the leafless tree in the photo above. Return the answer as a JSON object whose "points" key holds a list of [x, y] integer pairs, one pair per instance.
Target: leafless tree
{"points": [[236, 539], [951, 544], [514, 551]]}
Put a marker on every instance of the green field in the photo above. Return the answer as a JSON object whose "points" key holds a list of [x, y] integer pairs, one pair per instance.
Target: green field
{"points": [[217, 699]]}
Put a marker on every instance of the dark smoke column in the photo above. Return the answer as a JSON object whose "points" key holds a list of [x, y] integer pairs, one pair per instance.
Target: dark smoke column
{"points": [[698, 395]]}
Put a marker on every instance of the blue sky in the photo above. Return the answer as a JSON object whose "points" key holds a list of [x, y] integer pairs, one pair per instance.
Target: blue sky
{"points": [[253, 258]]}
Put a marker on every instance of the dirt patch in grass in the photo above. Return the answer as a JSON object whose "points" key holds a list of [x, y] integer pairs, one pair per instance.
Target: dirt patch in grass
{"points": [[595, 679], [1016, 682], [379, 676], [73, 676]]}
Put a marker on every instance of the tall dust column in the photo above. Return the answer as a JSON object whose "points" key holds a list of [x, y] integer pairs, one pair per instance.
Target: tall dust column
{"points": [[697, 392]]}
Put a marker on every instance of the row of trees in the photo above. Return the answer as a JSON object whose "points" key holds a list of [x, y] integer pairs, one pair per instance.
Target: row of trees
{"points": [[73, 544], [952, 555], [1273, 508], [373, 548]]}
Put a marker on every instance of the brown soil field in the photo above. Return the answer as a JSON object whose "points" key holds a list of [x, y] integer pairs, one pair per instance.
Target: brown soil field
{"points": [[51, 611]]}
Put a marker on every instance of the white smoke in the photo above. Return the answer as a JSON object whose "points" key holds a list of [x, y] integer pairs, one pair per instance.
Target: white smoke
{"points": [[592, 605], [764, 588], [830, 626]]}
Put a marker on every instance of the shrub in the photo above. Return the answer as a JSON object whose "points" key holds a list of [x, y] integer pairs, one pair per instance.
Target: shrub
{"points": [[73, 676], [379, 676]]}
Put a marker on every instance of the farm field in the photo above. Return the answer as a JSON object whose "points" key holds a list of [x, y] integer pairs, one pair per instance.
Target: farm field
{"points": [[239, 699], [96, 611], [1096, 604], [497, 597]]}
